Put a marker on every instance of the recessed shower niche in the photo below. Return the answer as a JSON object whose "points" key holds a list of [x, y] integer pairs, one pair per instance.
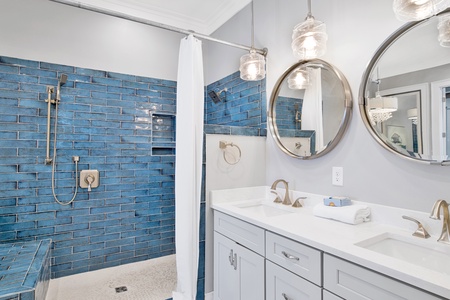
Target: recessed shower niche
{"points": [[163, 134]]}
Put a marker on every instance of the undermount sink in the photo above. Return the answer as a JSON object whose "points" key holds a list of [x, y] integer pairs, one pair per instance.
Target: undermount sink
{"points": [[263, 209], [425, 253]]}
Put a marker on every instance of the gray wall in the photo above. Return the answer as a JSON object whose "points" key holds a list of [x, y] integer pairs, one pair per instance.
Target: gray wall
{"points": [[356, 29]]}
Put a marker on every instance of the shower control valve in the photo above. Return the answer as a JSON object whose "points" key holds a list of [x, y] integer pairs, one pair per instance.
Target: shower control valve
{"points": [[89, 179]]}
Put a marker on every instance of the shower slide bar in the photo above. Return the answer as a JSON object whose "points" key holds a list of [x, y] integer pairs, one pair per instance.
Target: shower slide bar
{"points": [[155, 24]]}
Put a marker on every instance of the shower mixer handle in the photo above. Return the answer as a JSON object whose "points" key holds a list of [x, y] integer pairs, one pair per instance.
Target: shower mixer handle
{"points": [[89, 180]]}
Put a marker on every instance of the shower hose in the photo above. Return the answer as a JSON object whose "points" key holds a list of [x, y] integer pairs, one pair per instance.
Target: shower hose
{"points": [[75, 160]]}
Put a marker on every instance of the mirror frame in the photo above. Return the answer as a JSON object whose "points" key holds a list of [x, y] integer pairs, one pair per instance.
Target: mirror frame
{"points": [[346, 114], [366, 79]]}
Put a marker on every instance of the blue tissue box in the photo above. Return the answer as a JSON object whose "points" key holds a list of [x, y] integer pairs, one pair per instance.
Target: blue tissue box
{"points": [[337, 201]]}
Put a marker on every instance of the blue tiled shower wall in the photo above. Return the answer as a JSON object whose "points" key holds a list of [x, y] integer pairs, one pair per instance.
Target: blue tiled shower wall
{"points": [[242, 109], [121, 125], [106, 119]]}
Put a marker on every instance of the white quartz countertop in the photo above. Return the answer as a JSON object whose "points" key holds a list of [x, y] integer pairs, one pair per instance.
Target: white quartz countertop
{"points": [[338, 238]]}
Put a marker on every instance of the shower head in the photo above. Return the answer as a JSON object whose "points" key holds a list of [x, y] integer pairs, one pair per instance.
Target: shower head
{"points": [[62, 79], [215, 96]]}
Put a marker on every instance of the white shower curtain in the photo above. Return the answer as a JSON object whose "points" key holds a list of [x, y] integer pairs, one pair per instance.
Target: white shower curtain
{"points": [[188, 165], [312, 107]]}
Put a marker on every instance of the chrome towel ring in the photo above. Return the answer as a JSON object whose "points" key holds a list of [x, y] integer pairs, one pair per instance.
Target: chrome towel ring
{"points": [[223, 145]]}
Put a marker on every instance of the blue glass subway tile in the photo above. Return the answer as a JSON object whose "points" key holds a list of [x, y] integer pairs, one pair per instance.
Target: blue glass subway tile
{"points": [[9, 85], [37, 72], [18, 94], [90, 87], [107, 81], [121, 90], [36, 216], [148, 80], [135, 85], [18, 78], [35, 232], [121, 76], [9, 69], [107, 96], [18, 62], [90, 72], [71, 243], [60, 68], [120, 242], [246, 131], [122, 118], [148, 93]]}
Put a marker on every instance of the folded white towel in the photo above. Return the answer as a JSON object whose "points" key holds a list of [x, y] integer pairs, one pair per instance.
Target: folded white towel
{"points": [[351, 214]]}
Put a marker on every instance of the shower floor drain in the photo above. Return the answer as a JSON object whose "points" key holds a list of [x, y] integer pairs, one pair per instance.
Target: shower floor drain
{"points": [[121, 289]]}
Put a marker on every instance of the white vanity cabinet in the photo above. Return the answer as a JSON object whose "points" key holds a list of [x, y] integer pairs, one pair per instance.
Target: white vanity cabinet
{"points": [[238, 271], [354, 282]]}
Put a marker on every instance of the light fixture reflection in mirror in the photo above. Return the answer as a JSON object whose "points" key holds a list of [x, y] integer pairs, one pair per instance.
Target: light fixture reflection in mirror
{"points": [[299, 79], [416, 70], [309, 123], [415, 10]]}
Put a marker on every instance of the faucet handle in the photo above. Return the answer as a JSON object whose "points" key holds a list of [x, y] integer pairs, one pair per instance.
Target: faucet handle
{"points": [[297, 202], [420, 231], [277, 199]]}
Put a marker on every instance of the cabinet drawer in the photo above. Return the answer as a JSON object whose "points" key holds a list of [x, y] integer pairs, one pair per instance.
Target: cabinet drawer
{"points": [[284, 285], [296, 257], [244, 233], [329, 296], [353, 282]]}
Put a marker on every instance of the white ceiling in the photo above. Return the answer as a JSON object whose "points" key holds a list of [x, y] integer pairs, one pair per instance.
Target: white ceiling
{"points": [[201, 16]]}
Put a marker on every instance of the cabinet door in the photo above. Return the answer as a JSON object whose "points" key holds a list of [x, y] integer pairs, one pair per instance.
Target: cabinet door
{"points": [[251, 274], [284, 285], [226, 279], [238, 272]]}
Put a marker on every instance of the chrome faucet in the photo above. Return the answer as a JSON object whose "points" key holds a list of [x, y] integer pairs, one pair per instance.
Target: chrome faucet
{"points": [[435, 214], [286, 200]]}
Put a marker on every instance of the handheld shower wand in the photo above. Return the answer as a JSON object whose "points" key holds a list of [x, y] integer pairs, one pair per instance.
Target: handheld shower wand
{"points": [[62, 80]]}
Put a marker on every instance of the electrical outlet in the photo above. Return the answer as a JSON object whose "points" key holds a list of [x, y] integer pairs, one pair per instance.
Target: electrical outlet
{"points": [[337, 176]]}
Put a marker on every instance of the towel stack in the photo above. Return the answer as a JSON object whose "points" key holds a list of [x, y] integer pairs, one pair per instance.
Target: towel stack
{"points": [[351, 214]]}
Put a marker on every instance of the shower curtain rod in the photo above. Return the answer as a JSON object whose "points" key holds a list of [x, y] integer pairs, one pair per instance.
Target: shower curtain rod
{"points": [[155, 24]]}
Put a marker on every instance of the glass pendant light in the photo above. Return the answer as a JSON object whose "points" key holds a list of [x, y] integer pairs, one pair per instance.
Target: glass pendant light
{"points": [[415, 10], [309, 38], [444, 30], [299, 79], [253, 64]]}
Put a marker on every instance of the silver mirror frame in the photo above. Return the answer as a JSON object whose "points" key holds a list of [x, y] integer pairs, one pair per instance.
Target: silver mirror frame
{"points": [[347, 101], [366, 80]]}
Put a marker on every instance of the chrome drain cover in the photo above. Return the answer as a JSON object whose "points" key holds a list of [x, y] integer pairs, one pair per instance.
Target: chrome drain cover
{"points": [[121, 289]]}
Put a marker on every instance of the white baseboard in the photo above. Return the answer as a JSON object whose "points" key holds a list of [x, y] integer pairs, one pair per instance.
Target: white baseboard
{"points": [[209, 296]]}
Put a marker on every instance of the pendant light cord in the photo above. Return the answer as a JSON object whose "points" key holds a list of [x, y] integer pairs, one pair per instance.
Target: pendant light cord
{"points": [[309, 9], [253, 28]]}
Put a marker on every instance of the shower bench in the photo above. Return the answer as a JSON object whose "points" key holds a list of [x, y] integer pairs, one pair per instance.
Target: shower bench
{"points": [[24, 270]]}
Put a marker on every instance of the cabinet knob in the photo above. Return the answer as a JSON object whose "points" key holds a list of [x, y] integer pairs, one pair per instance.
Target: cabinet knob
{"points": [[285, 296]]}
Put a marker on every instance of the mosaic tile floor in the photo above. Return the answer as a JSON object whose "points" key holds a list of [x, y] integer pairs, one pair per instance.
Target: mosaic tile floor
{"points": [[148, 280]]}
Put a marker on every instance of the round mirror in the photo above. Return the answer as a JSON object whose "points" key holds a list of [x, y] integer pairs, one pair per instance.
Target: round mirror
{"points": [[404, 97], [309, 109]]}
